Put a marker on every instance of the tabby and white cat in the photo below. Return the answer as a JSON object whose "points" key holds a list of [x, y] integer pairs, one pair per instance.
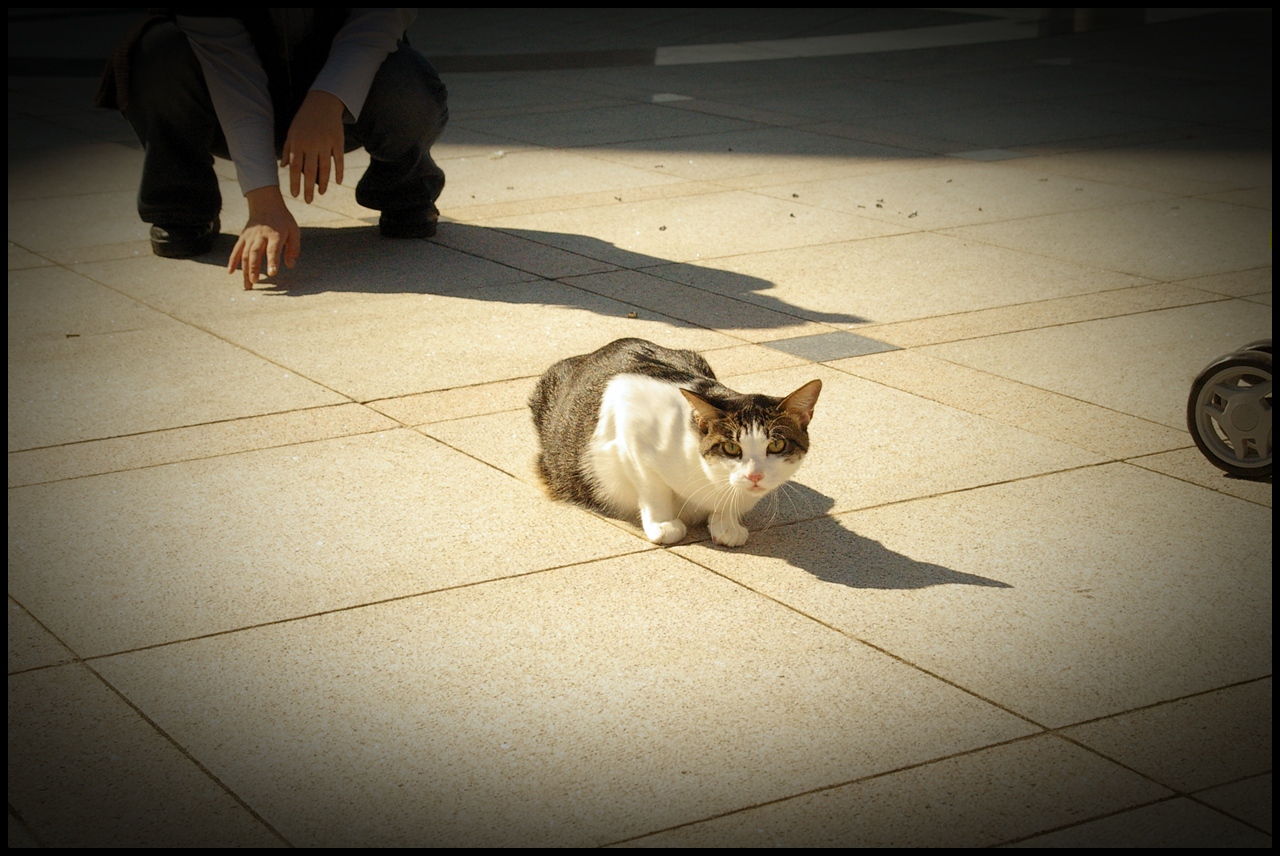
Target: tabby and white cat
{"points": [[638, 428]]}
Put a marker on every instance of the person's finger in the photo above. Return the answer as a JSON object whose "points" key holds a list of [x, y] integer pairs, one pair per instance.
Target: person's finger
{"points": [[295, 174], [255, 259], [322, 175], [309, 176], [273, 254], [337, 165], [234, 261]]}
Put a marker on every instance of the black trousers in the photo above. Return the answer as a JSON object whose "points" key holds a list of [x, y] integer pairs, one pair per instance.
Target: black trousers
{"points": [[173, 116]]}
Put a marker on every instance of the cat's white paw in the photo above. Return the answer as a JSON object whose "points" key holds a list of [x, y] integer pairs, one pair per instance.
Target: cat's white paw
{"points": [[726, 531], [665, 532]]}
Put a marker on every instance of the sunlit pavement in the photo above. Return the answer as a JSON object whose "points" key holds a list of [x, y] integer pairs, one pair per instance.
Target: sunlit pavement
{"points": [[280, 573]]}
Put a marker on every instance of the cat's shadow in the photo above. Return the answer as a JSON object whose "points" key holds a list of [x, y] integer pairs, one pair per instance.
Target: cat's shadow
{"points": [[357, 259], [822, 546]]}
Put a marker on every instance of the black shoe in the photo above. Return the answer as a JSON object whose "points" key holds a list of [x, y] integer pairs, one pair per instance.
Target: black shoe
{"points": [[410, 223], [184, 242]]}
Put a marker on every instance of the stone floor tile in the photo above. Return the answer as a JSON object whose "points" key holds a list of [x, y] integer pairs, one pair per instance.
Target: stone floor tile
{"points": [[107, 252], [751, 152], [706, 226], [66, 388], [530, 254], [85, 770], [818, 170], [124, 560], [50, 303], [1254, 197], [1067, 420], [458, 403], [1203, 163], [748, 359], [20, 837], [871, 444], [826, 347], [340, 268], [704, 308], [94, 457], [958, 194], [1191, 744], [1176, 823], [616, 698], [998, 127], [506, 441], [602, 125], [368, 349], [1208, 102], [30, 645], [926, 144], [68, 221], [1064, 597], [20, 259], [481, 92], [861, 101], [1248, 800], [1191, 466], [29, 135], [457, 142], [1173, 239], [94, 167], [886, 280], [1142, 365], [600, 199], [485, 180], [976, 800], [1043, 313]]}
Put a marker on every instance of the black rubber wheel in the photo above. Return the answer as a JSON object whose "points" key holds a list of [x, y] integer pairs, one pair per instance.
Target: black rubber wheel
{"points": [[1263, 345], [1229, 413]]}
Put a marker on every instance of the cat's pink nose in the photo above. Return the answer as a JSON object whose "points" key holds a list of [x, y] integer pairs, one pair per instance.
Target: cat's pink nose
{"points": [[755, 477]]}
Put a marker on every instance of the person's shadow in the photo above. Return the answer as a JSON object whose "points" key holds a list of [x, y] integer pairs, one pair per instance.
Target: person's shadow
{"points": [[357, 259]]}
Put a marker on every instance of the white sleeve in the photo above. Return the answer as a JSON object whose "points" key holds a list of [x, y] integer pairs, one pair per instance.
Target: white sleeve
{"points": [[238, 87], [367, 38]]}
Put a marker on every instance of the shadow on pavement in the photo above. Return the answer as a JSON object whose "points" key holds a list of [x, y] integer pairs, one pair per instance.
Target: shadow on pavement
{"points": [[824, 548], [357, 259]]}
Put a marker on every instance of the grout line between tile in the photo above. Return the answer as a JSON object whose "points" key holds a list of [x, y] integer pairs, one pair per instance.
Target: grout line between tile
{"points": [[350, 608], [870, 645], [1011, 380], [209, 332], [821, 788], [1083, 821], [1134, 461], [192, 425], [183, 751], [16, 815]]}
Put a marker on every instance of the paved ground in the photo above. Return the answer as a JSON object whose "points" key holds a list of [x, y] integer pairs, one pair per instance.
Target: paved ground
{"points": [[279, 572]]}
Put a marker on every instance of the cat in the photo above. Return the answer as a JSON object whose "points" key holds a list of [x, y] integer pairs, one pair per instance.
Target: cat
{"points": [[638, 428]]}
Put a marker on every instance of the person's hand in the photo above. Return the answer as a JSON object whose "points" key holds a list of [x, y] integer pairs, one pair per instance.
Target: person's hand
{"points": [[270, 234], [315, 138]]}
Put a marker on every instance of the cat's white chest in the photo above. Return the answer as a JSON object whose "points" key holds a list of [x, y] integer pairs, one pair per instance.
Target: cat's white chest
{"points": [[642, 437]]}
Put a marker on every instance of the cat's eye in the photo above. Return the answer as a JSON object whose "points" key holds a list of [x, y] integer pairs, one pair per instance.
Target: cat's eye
{"points": [[776, 445], [731, 448]]}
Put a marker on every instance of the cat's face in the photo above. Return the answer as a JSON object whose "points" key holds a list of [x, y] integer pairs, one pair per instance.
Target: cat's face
{"points": [[756, 444]]}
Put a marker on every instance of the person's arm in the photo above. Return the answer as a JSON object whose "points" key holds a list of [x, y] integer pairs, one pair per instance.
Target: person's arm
{"points": [[366, 39], [337, 95], [238, 88]]}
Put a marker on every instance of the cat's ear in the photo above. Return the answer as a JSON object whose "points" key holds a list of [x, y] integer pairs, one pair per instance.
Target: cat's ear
{"points": [[702, 411], [800, 403]]}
